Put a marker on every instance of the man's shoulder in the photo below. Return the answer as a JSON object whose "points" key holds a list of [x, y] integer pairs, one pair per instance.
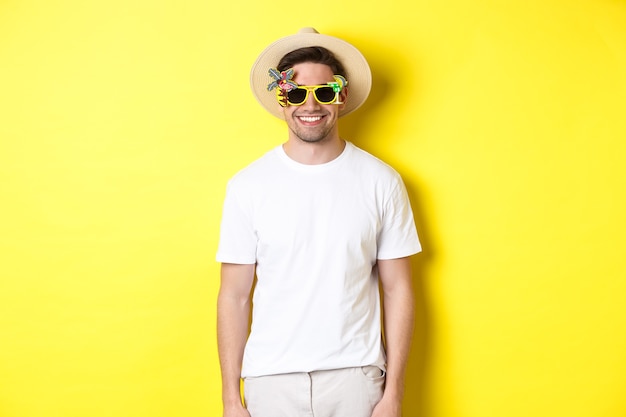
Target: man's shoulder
{"points": [[368, 162], [257, 170]]}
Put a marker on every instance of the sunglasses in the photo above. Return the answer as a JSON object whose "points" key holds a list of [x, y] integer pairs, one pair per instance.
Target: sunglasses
{"points": [[324, 94]]}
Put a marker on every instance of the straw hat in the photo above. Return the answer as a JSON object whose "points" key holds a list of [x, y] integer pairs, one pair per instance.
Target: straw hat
{"points": [[358, 71]]}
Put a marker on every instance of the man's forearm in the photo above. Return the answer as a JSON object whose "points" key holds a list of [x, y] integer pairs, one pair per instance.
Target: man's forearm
{"points": [[398, 321], [232, 331], [233, 313], [398, 325]]}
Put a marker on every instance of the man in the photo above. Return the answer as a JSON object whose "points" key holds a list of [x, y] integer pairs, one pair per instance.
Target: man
{"points": [[320, 223]]}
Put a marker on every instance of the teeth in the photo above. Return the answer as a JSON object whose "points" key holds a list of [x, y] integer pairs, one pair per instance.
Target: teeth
{"points": [[310, 118]]}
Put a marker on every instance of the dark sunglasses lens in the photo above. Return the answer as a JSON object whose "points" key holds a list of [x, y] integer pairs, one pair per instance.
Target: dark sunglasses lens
{"points": [[325, 94], [297, 95]]}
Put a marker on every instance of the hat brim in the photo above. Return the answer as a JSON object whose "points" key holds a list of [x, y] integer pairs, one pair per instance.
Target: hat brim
{"points": [[358, 72]]}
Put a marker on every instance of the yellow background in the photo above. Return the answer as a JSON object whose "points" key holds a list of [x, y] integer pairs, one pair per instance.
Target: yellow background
{"points": [[121, 121]]}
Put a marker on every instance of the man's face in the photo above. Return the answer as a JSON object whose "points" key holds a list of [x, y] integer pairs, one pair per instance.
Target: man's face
{"points": [[313, 122]]}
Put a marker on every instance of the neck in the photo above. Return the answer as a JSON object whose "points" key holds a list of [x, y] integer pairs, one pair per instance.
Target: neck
{"points": [[314, 153]]}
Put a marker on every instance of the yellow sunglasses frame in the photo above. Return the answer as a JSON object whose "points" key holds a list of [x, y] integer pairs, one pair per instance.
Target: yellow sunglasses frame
{"points": [[283, 83], [309, 89]]}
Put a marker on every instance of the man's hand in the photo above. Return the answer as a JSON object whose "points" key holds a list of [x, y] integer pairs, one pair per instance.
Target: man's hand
{"points": [[236, 411], [387, 408]]}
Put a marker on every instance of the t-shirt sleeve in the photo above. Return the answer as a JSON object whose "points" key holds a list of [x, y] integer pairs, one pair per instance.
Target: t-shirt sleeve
{"points": [[398, 236], [238, 241]]}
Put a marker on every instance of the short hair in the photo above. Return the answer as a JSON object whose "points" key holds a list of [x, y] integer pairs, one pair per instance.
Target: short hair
{"points": [[315, 55]]}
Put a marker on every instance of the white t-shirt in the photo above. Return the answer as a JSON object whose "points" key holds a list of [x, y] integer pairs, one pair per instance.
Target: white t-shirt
{"points": [[315, 233]]}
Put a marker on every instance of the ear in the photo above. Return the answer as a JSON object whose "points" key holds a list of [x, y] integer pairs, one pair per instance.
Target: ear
{"points": [[343, 96]]}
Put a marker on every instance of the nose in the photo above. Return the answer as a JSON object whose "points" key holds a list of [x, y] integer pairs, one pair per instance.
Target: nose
{"points": [[310, 102]]}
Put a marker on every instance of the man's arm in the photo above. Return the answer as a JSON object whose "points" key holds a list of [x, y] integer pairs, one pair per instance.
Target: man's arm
{"points": [[233, 314], [398, 321]]}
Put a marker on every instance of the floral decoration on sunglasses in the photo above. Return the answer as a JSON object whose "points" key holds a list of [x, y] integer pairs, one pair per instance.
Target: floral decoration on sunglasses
{"points": [[288, 92]]}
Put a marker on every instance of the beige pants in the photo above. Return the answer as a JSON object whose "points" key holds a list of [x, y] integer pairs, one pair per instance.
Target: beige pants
{"points": [[349, 392]]}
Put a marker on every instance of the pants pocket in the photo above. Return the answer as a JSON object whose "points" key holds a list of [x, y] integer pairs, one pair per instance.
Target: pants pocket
{"points": [[373, 372], [374, 379]]}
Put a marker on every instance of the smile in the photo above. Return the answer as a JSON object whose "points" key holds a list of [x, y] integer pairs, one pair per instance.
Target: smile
{"points": [[310, 119]]}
